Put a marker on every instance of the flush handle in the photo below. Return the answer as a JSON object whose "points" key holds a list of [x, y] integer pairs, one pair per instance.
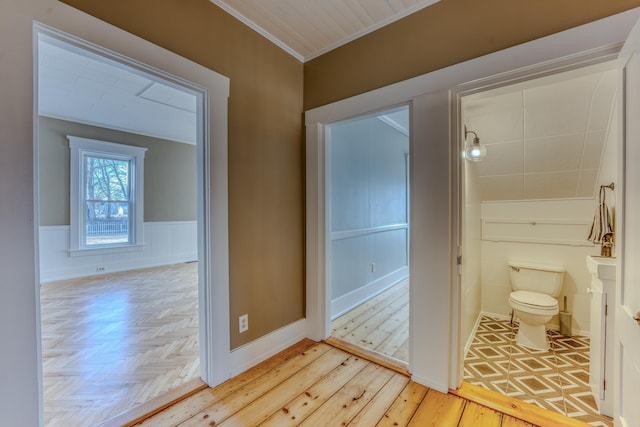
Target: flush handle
{"points": [[637, 318]]}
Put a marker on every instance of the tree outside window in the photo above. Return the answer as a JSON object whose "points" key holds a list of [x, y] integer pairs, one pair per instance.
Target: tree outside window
{"points": [[106, 195]]}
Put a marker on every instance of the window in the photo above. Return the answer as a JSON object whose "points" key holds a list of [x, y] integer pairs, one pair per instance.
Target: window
{"points": [[106, 212]]}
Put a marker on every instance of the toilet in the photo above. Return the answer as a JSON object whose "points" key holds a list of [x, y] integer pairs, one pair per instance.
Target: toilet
{"points": [[535, 288]]}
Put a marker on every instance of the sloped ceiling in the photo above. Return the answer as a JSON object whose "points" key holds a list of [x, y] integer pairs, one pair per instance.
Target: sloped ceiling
{"points": [[308, 28], [545, 138]]}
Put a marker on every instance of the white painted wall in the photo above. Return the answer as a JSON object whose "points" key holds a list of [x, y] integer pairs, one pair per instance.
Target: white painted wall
{"points": [[165, 243], [523, 244], [558, 238], [369, 220], [471, 255]]}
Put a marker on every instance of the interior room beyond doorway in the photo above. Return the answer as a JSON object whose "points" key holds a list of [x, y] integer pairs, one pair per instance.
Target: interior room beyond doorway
{"points": [[369, 228], [551, 143]]}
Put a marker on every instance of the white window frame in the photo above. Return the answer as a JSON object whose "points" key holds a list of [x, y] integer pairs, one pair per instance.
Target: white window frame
{"points": [[81, 148]]}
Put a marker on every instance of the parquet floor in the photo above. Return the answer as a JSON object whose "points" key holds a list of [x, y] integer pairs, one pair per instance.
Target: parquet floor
{"points": [[114, 341], [380, 324], [315, 384]]}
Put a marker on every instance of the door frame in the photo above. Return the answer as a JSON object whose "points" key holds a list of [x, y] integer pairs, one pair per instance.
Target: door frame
{"points": [[212, 91], [434, 124], [602, 55]]}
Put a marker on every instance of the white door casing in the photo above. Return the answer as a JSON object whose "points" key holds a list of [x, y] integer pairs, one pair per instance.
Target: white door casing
{"points": [[627, 300]]}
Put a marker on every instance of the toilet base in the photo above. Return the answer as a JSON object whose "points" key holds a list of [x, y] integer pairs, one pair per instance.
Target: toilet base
{"points": [[532, 336]]}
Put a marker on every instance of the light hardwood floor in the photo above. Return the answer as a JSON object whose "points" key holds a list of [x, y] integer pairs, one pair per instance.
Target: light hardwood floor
{"points": [[315, 384], [112, 342], [380, 324]]}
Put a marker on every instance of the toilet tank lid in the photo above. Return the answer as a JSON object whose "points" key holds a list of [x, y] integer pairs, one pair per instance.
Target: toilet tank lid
{"points": [[535, 266]]}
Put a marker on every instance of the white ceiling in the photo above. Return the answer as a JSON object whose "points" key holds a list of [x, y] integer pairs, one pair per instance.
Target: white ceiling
{"points": [[308, 28], [545, 138], [76, 86]]}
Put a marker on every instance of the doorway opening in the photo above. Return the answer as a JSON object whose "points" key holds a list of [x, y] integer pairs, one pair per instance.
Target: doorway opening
{"points": [[551, 144], [121, 303], [367, 202]]}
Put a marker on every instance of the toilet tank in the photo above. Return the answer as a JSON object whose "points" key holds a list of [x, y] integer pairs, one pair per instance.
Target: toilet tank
{"points": [[546, 279]]}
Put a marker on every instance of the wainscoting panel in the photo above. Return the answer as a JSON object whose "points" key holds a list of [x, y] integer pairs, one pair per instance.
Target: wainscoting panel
{"points": [[164, 243], [551, 231]]}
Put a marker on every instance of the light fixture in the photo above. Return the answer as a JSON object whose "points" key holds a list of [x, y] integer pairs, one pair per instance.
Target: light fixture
{"points": [[474, 151]]}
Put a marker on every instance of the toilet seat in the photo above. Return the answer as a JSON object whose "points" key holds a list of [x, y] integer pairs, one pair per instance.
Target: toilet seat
{"points": [[533, 302]]}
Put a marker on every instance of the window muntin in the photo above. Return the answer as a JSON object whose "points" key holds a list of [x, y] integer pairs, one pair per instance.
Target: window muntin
{"points": [[108, 200], [106, 195]]}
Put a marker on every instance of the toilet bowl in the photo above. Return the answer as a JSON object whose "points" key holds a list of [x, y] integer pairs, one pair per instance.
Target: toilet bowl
{"points": [[533, 299], [534, 310]]}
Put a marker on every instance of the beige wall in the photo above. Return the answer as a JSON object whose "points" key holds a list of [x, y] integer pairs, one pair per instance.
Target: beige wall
{"points": [[265, 148], [440, 35], [169, 172]]}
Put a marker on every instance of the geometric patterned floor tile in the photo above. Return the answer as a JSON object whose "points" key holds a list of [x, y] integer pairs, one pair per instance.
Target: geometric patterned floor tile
{"points": [[557, 379]]}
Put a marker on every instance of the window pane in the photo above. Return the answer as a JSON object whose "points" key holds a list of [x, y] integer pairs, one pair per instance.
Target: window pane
{"points": [[107, 179], [107, 223]]}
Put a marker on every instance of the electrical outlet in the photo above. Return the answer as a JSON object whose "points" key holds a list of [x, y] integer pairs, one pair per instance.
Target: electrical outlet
{"points": [[101, 268], [373, 267], [243, 323]]}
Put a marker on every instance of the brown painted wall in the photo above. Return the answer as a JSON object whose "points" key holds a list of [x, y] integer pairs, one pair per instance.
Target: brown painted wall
{"points": [[440, 35], [169, 171], [265, 148]]}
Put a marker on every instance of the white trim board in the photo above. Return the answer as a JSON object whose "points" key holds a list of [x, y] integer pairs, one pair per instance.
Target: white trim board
{"points": [[170, 242], [352, 299], [248, 355]]}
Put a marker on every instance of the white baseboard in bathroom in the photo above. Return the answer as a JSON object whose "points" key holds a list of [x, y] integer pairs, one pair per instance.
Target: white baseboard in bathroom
{"points": [[472, 335]]}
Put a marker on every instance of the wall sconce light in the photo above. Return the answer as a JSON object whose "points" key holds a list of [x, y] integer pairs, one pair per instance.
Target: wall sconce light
{"points": [[474, 151]]}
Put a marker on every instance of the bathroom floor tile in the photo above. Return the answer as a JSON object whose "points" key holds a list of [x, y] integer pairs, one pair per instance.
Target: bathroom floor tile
{"points": [[556, 379]]}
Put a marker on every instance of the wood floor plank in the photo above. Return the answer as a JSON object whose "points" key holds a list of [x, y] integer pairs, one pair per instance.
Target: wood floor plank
{"points": [[380, 324], [186, 409], [376, 409], [515, 408], [112, 342], [350, 399], [475, 415], [306, 364], [296, 410], [404, 406], [381, 359], [394, 343], [371, 305], [508, 421], [334, 389], [272, 402], [395, 319], [438, 410], [358, 334]]}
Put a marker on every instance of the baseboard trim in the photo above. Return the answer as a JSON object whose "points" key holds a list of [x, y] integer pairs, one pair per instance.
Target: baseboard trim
{"points": [[349, 301], [515, 408], [158, 404], [442, 388], [472, 335], [251, 354]]}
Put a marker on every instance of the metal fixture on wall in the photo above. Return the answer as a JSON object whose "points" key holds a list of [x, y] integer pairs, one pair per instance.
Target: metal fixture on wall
{"points": [[474, 151]]}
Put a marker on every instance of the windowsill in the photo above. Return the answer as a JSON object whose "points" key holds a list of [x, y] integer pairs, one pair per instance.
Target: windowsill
{"points": [[105, 250]]}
